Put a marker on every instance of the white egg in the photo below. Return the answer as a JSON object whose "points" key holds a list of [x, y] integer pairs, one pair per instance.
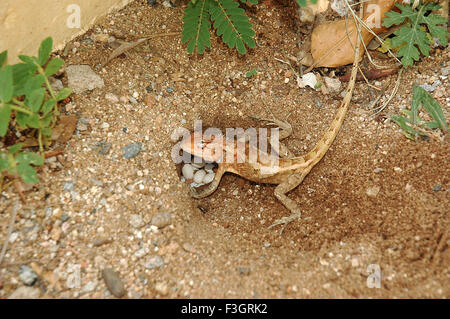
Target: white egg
{"points": [[208, 178], [188, 171], [198, 176]]}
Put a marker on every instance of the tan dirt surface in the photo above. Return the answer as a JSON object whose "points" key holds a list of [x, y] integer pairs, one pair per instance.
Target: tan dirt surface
{"points": [[96, 210]]}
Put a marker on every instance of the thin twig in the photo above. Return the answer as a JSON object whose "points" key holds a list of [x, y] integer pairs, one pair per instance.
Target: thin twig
{"points": [[10, 229], [394, 91]]}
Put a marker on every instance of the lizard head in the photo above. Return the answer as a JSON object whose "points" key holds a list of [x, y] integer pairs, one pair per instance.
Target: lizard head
{"points": [[208, 148]]}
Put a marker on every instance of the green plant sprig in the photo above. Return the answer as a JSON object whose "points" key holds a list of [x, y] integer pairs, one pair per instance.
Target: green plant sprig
{"points": [[26, 95]]}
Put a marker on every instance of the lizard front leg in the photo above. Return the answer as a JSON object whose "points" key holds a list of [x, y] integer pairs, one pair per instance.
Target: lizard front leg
{"points": [[210, 188], [285, 130], [280, 193]]}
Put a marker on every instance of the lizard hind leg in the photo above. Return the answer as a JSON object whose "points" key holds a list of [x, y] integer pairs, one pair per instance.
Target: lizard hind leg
{"points": [[280, 193]]}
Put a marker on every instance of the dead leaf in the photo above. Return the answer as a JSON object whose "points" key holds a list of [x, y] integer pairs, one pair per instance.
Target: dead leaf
{"points": [[124, 47], [371, 74], [65, 128], [332, 42]]}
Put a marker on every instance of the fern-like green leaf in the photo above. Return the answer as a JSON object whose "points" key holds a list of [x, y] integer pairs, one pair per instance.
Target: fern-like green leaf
{"points": [[412, 34], [232, 24], [196, 26]]}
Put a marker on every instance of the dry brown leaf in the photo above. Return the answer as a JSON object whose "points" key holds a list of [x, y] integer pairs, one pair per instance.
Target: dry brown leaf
{"points": [[330, 45], [65, 128], [124, 47]]}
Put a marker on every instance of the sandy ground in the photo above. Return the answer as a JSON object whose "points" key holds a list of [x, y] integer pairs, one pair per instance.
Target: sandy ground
{"points": [[94, 209]]}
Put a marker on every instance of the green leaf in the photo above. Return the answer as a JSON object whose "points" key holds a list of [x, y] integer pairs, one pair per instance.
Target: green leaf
{"points": [[4, 162], [21, 74], [3, 57], [46, 131], [196, 26], [15, 148], [407, 130], [6, 84], [44, 51], [53, 66], [30, 158], [301, 3], [64, 93], [28, 59], [48, 106], [232, 24], [27, 173], [34, 101], [412, 36], [33, 121], [33, 83], [5, 113], [435, 110]]}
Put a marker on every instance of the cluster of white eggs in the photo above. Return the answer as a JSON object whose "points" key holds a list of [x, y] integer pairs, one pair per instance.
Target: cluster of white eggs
{"points": [[198, 174]]}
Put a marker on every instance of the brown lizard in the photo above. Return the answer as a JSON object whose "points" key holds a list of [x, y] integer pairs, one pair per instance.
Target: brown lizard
{"points": [[289, 172]]}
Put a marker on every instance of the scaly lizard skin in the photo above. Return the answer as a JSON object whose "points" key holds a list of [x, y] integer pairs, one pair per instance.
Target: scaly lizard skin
{"points": [[290, 171]]}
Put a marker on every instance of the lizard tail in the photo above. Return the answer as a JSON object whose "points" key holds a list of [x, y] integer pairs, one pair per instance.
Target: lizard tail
{"points": [[322, 146]]}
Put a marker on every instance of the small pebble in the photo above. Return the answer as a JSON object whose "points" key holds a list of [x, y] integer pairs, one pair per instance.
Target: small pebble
{"points": [[161, 219], [27, 275], [25, 293], [373, 191], [136, 221], [131, 150], [154, 262], [113, 282], [437, 188]]}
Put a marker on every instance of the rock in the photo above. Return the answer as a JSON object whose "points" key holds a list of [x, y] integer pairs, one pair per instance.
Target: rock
{"points": [[150, 100], [27, 275], [90, 286], [431, 88], [110, 97], [373, 191], [113, 282], [136, 221], [131, 150], [25, 293], [140, 253], [81, 78], [437, 188], [162, 288], [154, 262], [378, 170], [244, 271], [56, 84], [100, 37], [104, 148], [308, 79], [445, 71], [68, 186], [161, 219], [334, 85], [133, 100]]}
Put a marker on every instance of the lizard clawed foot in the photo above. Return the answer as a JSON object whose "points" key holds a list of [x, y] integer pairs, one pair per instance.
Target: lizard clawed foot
{"points": [[285, 221]]}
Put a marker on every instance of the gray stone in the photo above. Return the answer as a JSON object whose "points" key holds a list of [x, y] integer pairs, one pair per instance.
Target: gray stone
{"points": [[81, 78], [161, 219], [25, 293], [27, 275], [113, 282], [136, 221], [68, 186], [154, 262], [131, 150]]}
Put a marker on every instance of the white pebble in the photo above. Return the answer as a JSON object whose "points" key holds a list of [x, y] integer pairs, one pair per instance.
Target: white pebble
{"points": [[199, 175], [187, 171], [208, 178]]}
